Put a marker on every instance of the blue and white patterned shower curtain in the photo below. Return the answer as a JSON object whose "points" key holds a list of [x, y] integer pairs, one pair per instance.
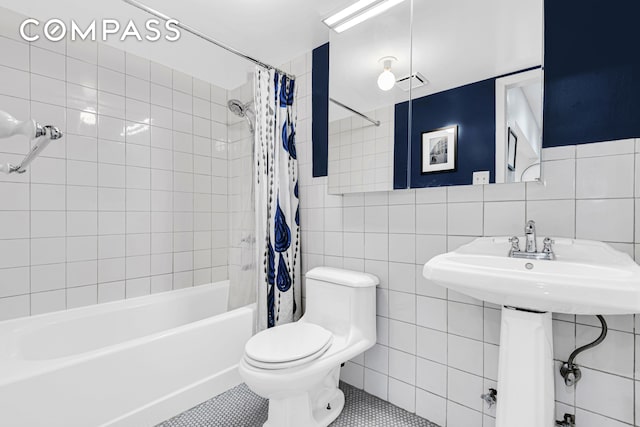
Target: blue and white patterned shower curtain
{"points": [[277, 204]]}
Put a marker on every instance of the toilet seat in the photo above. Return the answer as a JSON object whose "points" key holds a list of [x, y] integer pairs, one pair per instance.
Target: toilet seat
{"points": [[287, 346]]}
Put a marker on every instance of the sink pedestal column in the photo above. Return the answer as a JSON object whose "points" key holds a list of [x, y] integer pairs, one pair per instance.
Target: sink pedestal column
{"points": [[525, 370]]}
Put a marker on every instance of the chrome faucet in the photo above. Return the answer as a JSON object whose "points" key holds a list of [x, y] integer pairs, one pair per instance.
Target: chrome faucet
{"points": [[531, 248], [530, 234], [42, 135]]}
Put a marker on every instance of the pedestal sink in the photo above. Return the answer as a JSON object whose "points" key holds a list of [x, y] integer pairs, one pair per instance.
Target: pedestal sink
{"points": [[587, 277]]}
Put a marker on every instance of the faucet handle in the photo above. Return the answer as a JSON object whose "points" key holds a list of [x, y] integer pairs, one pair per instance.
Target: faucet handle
{"points": [[547, 242], [491, 398], [515, 244]]}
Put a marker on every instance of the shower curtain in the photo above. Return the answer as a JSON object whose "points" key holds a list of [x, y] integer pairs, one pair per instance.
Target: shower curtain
{"points": [[276, 196]]}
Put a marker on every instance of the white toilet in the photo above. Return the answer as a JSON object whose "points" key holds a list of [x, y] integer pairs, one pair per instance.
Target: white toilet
{"points": [[297, 366]]}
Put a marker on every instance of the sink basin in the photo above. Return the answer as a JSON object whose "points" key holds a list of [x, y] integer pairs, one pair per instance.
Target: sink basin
{"points": [[587, 277]]}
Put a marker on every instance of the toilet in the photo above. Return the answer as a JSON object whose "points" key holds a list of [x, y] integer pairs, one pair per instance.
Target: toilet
{"points": [[297, 366]]}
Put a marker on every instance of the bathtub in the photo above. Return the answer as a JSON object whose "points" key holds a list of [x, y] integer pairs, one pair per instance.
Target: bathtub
{"points": [[127, 363]]}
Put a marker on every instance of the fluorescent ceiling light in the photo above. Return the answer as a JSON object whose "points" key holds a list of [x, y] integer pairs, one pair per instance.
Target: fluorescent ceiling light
{"points": [[348, 11], [349, 17]]}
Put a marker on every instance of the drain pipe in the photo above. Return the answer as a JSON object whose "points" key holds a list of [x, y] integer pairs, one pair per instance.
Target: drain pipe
{"points": [[569, 370]]}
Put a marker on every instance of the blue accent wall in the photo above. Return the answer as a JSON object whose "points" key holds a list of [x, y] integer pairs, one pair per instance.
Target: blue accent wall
{"points": [[472, 108], [320, 110], [400, 152], [592, 71]]}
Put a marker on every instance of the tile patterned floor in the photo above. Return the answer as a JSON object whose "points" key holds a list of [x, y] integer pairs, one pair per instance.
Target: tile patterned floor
{"points": [[240, 407]]}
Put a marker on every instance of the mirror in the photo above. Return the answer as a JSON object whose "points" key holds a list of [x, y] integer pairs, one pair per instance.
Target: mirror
{"points": [[362, 117], [471, 67]]}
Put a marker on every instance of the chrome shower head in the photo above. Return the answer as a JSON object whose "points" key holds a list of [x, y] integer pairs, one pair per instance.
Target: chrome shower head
{"points": [[240, 109], [237, 107]]}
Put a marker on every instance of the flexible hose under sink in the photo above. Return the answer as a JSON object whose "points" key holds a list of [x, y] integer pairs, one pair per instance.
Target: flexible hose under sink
{"points": [[570, 371], [603, 335]]}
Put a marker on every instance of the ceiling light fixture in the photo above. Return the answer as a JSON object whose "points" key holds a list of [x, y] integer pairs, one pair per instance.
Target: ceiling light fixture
{"points": [[348, 11], [386, 79], [357, 13]]}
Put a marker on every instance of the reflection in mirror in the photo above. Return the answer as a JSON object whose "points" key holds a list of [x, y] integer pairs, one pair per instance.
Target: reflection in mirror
{"points": [[519, 127], [481, 63], [364, 63], [451, 66], [361, 152]]}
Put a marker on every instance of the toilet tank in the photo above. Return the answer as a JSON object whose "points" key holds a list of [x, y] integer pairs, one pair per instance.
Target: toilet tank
{"points": [[342, 301]]}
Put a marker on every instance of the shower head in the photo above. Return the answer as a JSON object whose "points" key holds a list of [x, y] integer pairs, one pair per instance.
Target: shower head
{"points": [[238, 108], [241, 109]]}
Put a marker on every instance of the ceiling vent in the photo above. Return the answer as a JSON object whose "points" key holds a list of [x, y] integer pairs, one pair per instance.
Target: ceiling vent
{"points": [[416, 80]]}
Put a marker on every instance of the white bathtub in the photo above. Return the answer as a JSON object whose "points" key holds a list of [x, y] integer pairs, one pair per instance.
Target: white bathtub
{"points": [[128, 363]]}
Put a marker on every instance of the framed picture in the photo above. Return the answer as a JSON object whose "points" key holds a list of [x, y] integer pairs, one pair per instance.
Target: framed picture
{"points": [[512, 148], [439, 150]]}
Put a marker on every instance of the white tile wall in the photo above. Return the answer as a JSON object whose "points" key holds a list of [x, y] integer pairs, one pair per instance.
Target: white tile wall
{"points": [[361, 154], [124, 205], [437, 351], [242, 218]]}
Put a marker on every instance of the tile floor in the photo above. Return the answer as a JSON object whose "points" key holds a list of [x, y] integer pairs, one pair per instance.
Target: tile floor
{"points": [[240, 407]]}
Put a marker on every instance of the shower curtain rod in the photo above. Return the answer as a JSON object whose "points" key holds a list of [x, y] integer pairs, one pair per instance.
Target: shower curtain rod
{"points": [[375, 122], [160, 15], [203, 36]]}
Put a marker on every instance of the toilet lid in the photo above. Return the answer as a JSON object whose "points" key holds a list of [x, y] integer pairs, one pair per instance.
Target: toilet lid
{"points": [[287, 343]]}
